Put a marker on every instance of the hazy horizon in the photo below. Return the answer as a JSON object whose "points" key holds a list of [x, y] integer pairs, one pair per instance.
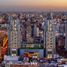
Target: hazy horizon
{"points": [[33, 4]]}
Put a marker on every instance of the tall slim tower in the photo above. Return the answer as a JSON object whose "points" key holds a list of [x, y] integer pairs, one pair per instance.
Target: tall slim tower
{"points": [[50, 39], [66, 35], [14, 35]]}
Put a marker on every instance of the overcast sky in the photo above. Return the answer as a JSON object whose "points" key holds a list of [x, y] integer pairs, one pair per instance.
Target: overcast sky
{"points": [[40, 4]]}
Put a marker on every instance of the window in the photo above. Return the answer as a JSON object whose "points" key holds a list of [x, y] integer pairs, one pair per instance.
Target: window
{"points": [[15, 28], [15, 25], [49, 52], [14, 52]]}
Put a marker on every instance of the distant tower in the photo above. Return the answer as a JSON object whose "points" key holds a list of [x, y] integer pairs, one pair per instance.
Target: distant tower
{"points": [[36, 30], [50, 38], [65, 34], [44, 33], [14, 35]]}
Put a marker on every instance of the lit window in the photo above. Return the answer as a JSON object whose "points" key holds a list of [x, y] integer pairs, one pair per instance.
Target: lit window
{"points": [[15, 25], [15, 28]]}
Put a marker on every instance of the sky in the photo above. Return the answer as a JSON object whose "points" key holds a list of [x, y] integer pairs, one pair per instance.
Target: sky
{"points": [[34, 4]]}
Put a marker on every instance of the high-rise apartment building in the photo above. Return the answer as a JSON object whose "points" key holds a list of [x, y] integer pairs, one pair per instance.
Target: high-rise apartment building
{"points": [[14, 35], [50, 38], [65, 34]]}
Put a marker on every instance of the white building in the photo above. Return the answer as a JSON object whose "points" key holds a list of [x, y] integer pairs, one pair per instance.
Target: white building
{"points": [[50, 39], [14, 35]]}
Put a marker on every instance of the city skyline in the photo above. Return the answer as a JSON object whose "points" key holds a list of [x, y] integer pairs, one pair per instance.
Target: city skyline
{"points": [[34, 4]]}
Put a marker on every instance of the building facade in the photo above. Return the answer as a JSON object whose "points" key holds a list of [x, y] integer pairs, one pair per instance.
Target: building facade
{"points": [[65, 34], [50, 39], [14, 35]]}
